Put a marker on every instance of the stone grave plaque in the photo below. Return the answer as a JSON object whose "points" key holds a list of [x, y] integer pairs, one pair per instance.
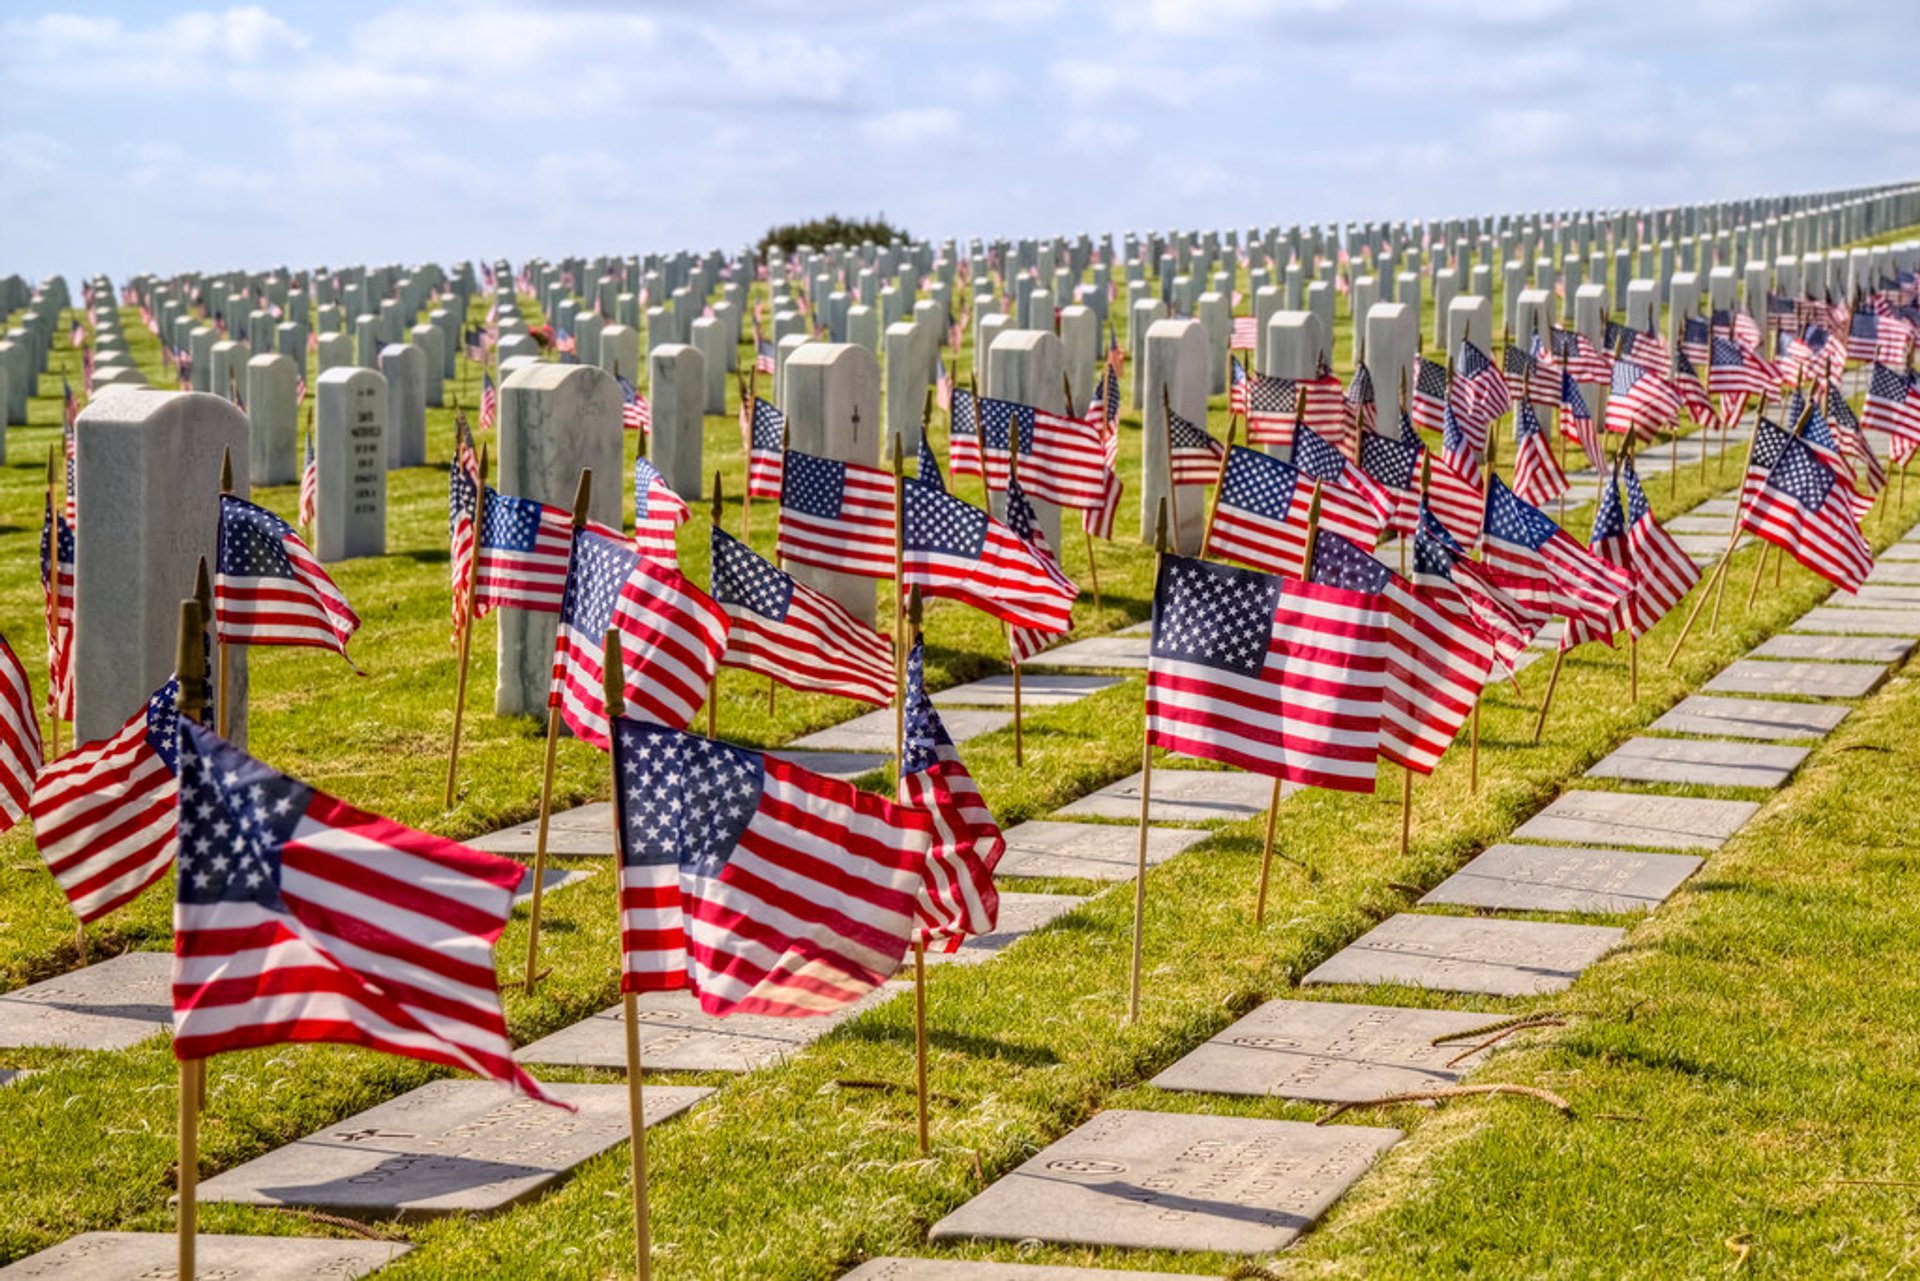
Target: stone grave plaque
{"points": [[897, 1269], [1637, 819], [1838, 649], [1895, 573], [106, 1006], [1901, 552], [1726, 507], [1327, 1052], [1182, 796], [1091, 851], [151, 1256], [1704, 547], [1136, 629], [1097, 653], [847, 765], [1549, 878], [676, 1035], [1843, 620], [449, 1147], [556, 878], [873, 732], [1695, 523], [1764, 718], [1020, 915], [584, 830], [1876, 595], [1703, 761], [1469, 954], [1164, 1181], [1037, 689], [1813, 680]]}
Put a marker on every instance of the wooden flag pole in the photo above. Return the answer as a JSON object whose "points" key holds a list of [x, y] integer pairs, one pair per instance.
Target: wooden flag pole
{"points": [[466, 627], [713, 686], [1273, 801], [189, 663], [920, 1046], [1546, 701], [1715, 582], [1146, 801], [221, 719], [1806, 414], [582, 496], [1219, 483], [613, 683], [899, 598]]}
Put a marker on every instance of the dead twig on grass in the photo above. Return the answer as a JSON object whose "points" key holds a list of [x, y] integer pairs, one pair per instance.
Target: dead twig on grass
{"points": [[1452, 1092]]}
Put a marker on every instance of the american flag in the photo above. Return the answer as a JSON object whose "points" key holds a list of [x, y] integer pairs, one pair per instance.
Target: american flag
{"points": [[1274, 676], [1275, 404], [1793, 499], [766, 442], [1429, 404], [1317, 458], [269, 589], [1892, 406], [1641, 403], [1063, 460], [1024, 642], [1737, 370], [1692, 394], [299, 389], [955, 550], [19, 738], [672, 636], [1496, 599], [1260, 515], [836, 515], [800, 637], [657, 512], [1695, 340], [963, 434], [1457, 499], [762, 357], [1246, 334], [1527, 379], [104, 814], [1869, 473], [636, 411], [1438, 657], [957, 895], [524, 547], [1818, 435], [309, 486], [1578, 355], [1193, 455], [1536, 472], [925, 465], [302, 919], [1361, 411], [1662, 573], [762, 886], [1550, 570], [56, 589], [1103, 407], [1576, 421], [1863, 335], [1744, 328], [1642, 346], [1480, 394], [942, 387], [1236, 386], [1462, 447], [489, 402]]}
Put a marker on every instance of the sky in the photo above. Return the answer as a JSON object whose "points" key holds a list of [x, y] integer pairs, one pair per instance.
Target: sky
{"points": [[140, 136]]}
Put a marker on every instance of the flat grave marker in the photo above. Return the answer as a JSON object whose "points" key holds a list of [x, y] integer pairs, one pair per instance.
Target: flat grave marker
{"points": [[1895, 573], [1902, 552], [847, 765], [1466, 954], [151, 1256], [1706, 762], [1164, 1181], [1762, 718], [1811, 680], [1181, 796], [1098, 653], [676, 1035], [1550, 878], [582, 831], [1875, 594], [1836, 649], [1326, 1052], [449, 1147], [1849, 620], [556, 879], [873, 732], [1637, 819], [1037, 689], [1089, 851], [1020, 915], [109, 1005]]}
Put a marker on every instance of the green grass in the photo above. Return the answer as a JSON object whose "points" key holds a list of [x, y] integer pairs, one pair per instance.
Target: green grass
{"points": [[788, 1173]]}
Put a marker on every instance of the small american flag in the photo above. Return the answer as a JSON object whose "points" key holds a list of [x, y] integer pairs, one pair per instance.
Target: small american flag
{"points": [[942, 387], [56, 588], [761, 886], [1315, 456], [957, 896], [1735, 369], [1429, 407], [1236, 386], [955, 550], [1863, 334], [1641, 402], [1662, 573], [1687, 385], [836, 515], [763, 357], [1480, 392], [269, 589], [1550, 570], [925, 465], [1260, 513], [657, 512], [1576, 421], [104, 814], [1274, 676], [1438, 657], [299, 390], [1578, 355], [1696, 337], [800, 637], [636, 411], [1869, 473], [1063, 460], [1362, 411], [302, 919], [1275, 404], [309, 486], [1193, 454], [672, 637], [1461, 447], [489, 402], [1026, 641], [963, 434], [1527, 379], [1892, 406], [1496, 600], [1795, 501], [19, 738], [1536, 472], [1246, 334], [766, 442], [1456, 499]]}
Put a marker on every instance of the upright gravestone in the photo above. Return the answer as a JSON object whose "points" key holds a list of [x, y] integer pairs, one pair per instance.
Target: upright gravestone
{"points": [[554, 421], [1215, 313], [274, 419], [1079, 339], [332, 351], [906, 390], [229, 375], [404, 366], [1028, 366], [1178, 356], [710, 340], [833, 411], [677, 382], [1470, 319], [147, 469], [1391, 347], [366, 341], [351, 408], [1140, 318], [429, 339], [620, 352]]}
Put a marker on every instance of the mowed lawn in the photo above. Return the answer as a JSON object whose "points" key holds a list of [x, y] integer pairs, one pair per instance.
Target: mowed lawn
{"points": [[803, 1169]]}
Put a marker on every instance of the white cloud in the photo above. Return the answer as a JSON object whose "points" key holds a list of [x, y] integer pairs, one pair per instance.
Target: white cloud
{"points": [[913, 127]]}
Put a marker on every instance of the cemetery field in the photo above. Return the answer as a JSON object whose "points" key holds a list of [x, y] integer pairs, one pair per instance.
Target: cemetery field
{"points": [[1723, 1077]]}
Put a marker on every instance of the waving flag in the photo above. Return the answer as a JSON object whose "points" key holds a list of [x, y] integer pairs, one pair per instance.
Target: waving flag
{"points": [[636, 411], [309, 486], [657, 512], [1892, 406], [1245, 335], [1736, 370], [1869, 473], [836, 515], [672, 636], [1795, 501], [1479, 396], [1576, 422], [1536, 472], [1429, 405], [1577, 355], [1315, 457], [957, 551], [1271, 675], [925, 465], [1260, 513], [1551, 570], [766, 443], [268, 588], [1062, 460], [1438, 657], [1193, 455], [1641, 403], [957, 896], [1275, 404], [796, 635], [19, 738], [1236, 386], [1662, 573], [489, 402], [761, 886], [104, 814], [1456, 499], [1527, 379], [56, 590], [1687, 385], [1024, 641], [963, 434], [302, 919], [1362, 411]]}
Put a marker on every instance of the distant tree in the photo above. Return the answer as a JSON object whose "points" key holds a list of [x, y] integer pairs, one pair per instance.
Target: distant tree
{"points": [[831, 230]]}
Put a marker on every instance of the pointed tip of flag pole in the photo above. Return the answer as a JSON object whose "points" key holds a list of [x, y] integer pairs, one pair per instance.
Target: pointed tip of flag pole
{"points": [[613, 682], [52, 454], [583, 495], [483, 462], [226, 469], [915, 610], [718, 501], [203, 588]]}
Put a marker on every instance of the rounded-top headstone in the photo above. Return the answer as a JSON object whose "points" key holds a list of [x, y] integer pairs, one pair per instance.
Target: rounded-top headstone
{"points": [[832, 402]]}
